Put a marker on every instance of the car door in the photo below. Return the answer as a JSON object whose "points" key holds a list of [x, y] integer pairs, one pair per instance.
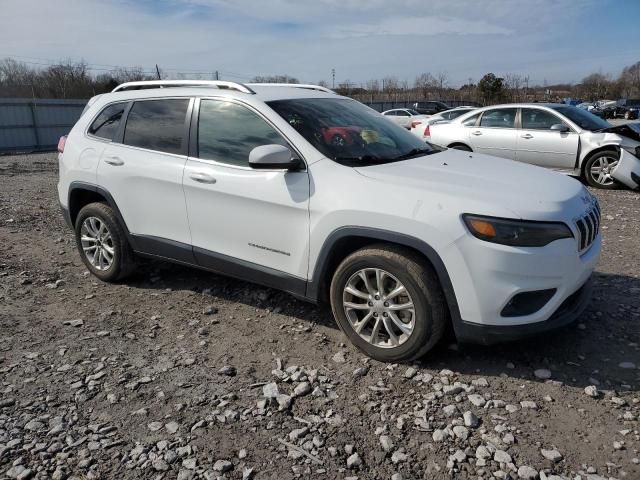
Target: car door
{"points": [[539, 145], [240, 216], [495, 134], [142, 170]]}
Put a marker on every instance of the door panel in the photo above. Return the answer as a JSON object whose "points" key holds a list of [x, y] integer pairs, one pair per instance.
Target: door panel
{"points": [[496, 134], [539, 145], [257, 216]]}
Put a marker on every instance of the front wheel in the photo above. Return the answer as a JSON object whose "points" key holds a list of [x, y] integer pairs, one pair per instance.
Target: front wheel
{"points": [[102, 243], [598, 169], [389, 302]]}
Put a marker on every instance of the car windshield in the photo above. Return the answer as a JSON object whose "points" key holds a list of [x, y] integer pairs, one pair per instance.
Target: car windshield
{"points": [[350, 133], [582, 118], [633, 103]]}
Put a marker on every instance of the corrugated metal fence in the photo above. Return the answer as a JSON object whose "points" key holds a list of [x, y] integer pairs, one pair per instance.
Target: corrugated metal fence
{"points": [[28, 124]]}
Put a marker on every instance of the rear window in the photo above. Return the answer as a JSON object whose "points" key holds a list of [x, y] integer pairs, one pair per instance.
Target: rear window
{"points": [[106, 124], [157, 125]]}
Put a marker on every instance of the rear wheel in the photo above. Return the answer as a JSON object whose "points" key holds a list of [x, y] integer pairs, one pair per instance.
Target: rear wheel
{"points": [[102, 243], [389, 303], [598, 169]]}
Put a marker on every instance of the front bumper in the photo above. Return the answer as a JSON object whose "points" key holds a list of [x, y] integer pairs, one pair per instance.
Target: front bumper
{"points": [[628, 170], [567, 312]]}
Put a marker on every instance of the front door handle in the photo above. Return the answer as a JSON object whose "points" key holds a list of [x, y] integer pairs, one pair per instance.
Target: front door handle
{"points": [[115, 161], [202, 177], [527, 136], [477, 132]]}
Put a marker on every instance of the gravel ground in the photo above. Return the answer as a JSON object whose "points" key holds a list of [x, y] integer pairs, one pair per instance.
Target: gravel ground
{"points": [[183, 374]]}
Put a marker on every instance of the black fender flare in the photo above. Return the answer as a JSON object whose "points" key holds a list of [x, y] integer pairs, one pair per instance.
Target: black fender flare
{"points": [[380, 235]]}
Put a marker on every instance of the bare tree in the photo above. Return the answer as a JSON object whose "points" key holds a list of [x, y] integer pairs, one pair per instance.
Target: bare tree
{"points": [[275, 79]]}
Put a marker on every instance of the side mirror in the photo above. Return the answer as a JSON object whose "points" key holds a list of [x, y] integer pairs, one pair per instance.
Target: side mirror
{"points": [[273, 157], [559, 127]]}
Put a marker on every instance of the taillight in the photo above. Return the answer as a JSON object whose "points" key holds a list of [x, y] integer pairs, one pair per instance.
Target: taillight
{"points": [[427, 132], [415, 123], [61, 143]]}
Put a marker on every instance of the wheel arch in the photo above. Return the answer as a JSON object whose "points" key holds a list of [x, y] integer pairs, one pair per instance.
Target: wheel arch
{"points": [[461, 144], [346, 240], [595, 151], [81, 194]]}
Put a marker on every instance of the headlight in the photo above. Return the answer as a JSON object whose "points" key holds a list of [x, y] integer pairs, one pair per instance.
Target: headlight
{"points": [[517, 233]]}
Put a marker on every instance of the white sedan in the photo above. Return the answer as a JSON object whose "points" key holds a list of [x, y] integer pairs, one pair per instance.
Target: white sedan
{"points": [[556, 136], [405, 117], [418, 129]]}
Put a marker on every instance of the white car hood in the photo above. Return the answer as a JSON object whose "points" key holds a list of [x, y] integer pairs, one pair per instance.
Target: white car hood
{"points": [[527, 191]]}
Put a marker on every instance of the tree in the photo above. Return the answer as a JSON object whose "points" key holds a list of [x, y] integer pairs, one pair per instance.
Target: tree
{"points": [[630, 79], [596, 86], [425, 83], [275, 79], [491, 87]]}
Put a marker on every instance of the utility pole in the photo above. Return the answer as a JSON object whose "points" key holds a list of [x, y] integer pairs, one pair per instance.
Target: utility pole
{"points": [[333, 78], [217, 75], [158, 72]]}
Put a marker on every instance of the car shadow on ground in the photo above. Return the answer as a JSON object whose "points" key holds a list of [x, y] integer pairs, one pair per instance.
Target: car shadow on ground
{"points": [[590, 351]]}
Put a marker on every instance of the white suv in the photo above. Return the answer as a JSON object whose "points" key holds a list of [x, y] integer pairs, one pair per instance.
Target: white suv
{"points": [[297, 188]]}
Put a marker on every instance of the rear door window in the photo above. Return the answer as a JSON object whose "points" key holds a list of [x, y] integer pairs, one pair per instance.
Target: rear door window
{"points": [[106, 124], [157, 125]]}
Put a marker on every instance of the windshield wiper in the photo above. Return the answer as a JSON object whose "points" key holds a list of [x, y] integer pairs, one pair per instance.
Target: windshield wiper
{"points": [[362, 159], [416, 152]]}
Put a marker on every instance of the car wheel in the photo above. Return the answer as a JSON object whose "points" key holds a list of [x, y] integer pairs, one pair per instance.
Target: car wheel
{"points": [[460, 146], [102, 243], [389, 302], [597, 170], [627, 115]]}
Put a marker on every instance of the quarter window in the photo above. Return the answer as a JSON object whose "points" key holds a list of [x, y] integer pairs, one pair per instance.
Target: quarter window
{"points": [[499, 118], [157, 125], [106, 124], [471, 121], [227, 132], [536, 119]]}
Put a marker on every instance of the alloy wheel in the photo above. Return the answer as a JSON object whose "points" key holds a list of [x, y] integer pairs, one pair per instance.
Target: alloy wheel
{"points": [[601, 170], [379, 308], [97, 243]]}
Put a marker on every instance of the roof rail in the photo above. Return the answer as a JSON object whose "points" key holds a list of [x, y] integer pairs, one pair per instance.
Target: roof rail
{"points": [[294, 85], [183, 83]]}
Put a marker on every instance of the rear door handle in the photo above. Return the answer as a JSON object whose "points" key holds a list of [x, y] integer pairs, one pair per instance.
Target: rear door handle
{"points": [[202, 177], [115, 161], [527, 136], [476, 133]]}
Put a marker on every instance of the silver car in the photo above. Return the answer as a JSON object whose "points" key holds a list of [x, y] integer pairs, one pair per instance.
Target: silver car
{"points": [[556, 136]]}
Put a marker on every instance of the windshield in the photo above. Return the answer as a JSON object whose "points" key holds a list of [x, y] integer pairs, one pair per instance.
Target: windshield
{"points": [[582, 118], [633, 103], [348, 132]]}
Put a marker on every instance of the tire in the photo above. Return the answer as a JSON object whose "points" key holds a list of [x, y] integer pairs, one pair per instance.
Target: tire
{"points": [[427, 321], [593, 165], [460, 146], [98, 221], [627, 115]]}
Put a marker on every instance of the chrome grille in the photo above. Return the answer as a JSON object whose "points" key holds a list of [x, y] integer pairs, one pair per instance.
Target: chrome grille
{"points": [[588, 226]]}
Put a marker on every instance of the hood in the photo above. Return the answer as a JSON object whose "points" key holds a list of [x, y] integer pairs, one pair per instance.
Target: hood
{"points": [[629, 130], [486, 182]]}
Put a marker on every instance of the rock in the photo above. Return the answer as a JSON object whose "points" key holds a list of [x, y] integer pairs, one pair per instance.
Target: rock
{"points": [[529, 404], [242, 454], [247, 473], [396, 476], [501, 456], [160, 465], [354, 461], [542, 373], [410, 372], [525, 472], [552, 454], [470, 419], [172, 427], [298, 433], [228, 371], [477, 400], [618, 445], [189, 463], [450, 410], [459, 456], [185, 474], [270, 390], [439, 435], [592, 391], [482, 452], [461, 432], [360, 372], [222, 466], [302, 389], [7, 402], [284, 402], [339, 357], [627, 365], [399, 457], [386, 442], [74, 323], [34, 426]]}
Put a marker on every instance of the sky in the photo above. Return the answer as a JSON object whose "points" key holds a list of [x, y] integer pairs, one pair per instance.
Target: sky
{"points": [[552, 41]]}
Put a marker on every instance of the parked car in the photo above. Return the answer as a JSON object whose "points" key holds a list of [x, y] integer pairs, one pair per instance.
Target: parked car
{"points": [[556, 136], [402, 239], [627, 109], [418, 128], [405, 117], [430, 107]]}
